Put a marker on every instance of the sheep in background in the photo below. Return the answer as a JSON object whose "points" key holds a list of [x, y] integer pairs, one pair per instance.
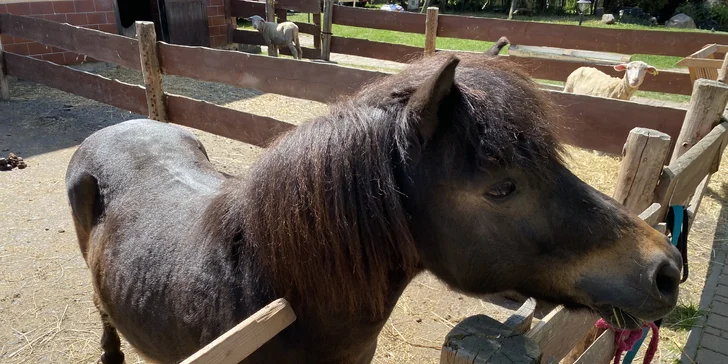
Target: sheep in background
{"points": [[591, 81], [496, 48], [278, 35]]}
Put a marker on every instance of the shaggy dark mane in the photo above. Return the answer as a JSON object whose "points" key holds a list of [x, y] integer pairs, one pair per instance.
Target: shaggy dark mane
{"points": [[322, 207]]}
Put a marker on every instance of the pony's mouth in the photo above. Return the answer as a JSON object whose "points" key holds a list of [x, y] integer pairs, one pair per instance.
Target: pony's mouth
{"points": [[619, 318]]}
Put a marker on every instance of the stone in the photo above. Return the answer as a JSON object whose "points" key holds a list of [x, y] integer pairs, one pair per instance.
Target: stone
{"points": [[722, 290], [717, 321], [708, 356], [714, 343], [608, 19], [681, 21]]}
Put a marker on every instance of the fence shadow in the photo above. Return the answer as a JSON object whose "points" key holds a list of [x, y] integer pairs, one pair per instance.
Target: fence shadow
{"points": [[39, 119]]}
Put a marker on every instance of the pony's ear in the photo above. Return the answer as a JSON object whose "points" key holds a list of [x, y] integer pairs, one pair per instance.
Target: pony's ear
{"points": [[425, 102]]}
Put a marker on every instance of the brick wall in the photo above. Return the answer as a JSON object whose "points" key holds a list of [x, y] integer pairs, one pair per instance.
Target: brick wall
{"points": [[216, 23], [94, 14]]}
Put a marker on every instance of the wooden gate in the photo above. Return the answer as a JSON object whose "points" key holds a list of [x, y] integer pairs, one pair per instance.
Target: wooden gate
{"points": [[186, 21]]}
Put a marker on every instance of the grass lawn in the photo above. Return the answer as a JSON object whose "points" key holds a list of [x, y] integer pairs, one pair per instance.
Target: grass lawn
{"points": [[418, 40]]}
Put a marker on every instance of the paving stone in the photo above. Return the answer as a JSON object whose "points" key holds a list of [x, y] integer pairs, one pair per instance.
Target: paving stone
{"points": [[715, 343], [722, 290], [710, 357], [713, 331], [720, 298], [720, 308], [717, 321]]}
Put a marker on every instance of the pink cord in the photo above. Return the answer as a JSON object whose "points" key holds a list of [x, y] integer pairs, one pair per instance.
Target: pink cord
{"points": [[624, 340]]}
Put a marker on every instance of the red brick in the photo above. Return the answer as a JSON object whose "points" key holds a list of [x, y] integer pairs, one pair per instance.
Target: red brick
{"points": [[109, 28], [85, 6], [19, 9], [54, 57], [96, 18], [3, 9], [217, 3], [218, 40], [59, 18], [216, 20], [63, 7], [6, 40], [104, 5], [37, 48], [111, 17], [43, 7], [21, 49], [94, 27], [77, 19]]}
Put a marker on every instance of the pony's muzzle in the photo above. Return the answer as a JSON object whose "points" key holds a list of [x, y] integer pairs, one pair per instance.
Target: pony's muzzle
{"points": [[665, 277]]}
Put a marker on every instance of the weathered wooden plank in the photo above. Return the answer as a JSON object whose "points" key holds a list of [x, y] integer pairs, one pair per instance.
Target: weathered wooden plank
{"points": [[246, 9], [480, 339], [326, 30], [560, 330], [626, 41], [603, 124], [246, 337], [707, 104], [4, 88], [308, 28], [548, 69], [303, 6], [223, 121], [552, 69], [651, 214], [520, 321], [601, 351], [152, 73], [88, 85], [377, 19], [379, 50], [306, 80], [639, 171], [253, 37], [431, 30], [93, 43], [680, 179]]}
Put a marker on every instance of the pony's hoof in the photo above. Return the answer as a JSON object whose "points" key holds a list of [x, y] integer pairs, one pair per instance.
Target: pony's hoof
{"points": [[112, 358]]}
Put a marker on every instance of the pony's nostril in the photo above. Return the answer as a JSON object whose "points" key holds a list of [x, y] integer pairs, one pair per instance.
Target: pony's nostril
{"points": [[667, 279]]}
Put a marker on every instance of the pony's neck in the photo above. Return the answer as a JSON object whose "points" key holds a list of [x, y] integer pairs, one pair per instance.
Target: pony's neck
{"points": [[324, 215]]}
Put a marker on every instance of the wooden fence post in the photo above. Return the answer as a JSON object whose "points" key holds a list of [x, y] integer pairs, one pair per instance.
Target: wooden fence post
{"points": [[644, 156], [707, 104], [4, 89], [326, 30], [151, 70], [431, 30], [270, 15]]}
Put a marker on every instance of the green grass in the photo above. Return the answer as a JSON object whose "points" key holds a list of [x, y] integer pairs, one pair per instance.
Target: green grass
{"points": [[683, 317], [418, 40]]}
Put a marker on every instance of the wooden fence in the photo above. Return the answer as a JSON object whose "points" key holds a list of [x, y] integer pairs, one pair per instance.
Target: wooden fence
{"points": [[591, 122]]}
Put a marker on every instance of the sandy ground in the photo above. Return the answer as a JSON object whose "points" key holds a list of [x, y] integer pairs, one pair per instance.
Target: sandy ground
{"points": [[46, 312]]}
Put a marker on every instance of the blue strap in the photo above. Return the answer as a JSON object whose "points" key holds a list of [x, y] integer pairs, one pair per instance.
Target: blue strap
{"points": [[676, 229]]}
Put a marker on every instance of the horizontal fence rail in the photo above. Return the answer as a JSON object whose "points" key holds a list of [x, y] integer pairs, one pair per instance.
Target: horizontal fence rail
{"points": [[533, 33], [588, 122]]}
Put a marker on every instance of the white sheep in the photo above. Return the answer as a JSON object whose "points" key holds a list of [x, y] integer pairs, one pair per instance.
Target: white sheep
{"points": [[591, 81], [278, 35]]}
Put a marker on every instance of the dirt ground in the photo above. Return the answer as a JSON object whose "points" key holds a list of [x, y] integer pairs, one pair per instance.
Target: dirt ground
{"points": [[46, 312]]}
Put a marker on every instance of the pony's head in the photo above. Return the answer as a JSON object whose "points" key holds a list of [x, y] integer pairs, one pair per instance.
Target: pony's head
{"points": [[451, 166]]}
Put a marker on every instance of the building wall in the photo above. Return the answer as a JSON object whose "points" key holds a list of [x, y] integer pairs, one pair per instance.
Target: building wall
{"points": [[216, 22], [93, 14]]}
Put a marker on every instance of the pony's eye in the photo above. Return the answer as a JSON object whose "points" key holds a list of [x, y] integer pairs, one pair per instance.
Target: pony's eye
{"points": [[501, 190]]}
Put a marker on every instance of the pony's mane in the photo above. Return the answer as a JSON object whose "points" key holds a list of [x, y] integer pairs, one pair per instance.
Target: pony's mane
{"points": [[321, 208]]}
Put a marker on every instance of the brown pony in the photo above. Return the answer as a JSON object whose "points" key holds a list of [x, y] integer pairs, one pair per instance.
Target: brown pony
{"points": [[450, 166]]}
